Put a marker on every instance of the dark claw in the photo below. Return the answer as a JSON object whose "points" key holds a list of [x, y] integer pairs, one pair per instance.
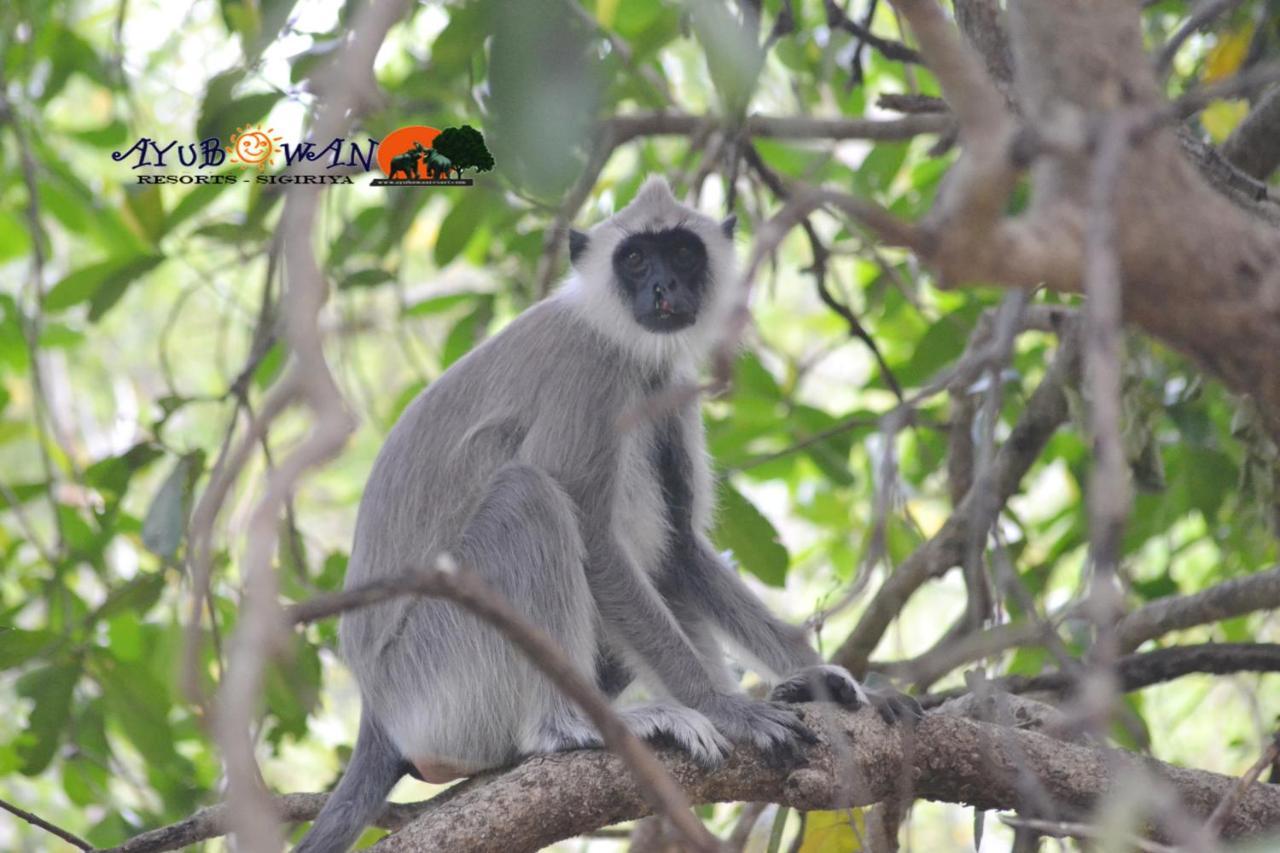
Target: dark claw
{"points": [[842, 691], [894, 706]]}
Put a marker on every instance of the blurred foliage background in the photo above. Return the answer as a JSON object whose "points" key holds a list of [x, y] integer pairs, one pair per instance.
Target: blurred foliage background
{"points": [[137, 331]]}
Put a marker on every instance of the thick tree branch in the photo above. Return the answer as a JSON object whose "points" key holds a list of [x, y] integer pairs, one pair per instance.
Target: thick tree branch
{"points": [[628, 127], [1254, 146], [214, 821], [858, 762], [1235, 597]]}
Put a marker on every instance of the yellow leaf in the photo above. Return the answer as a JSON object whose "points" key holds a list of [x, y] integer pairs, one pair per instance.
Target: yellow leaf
{"points": [[833, 832], [1225, 57], [606, 11], [1221, 117]]}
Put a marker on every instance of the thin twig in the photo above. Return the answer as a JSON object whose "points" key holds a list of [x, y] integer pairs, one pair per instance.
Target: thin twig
{"points": [[36, 820], [1197, 20], [1084, 830], [1228, 804]]}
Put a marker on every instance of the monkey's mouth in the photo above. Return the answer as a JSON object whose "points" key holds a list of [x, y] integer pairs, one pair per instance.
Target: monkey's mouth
{"points": [[663, 313]]}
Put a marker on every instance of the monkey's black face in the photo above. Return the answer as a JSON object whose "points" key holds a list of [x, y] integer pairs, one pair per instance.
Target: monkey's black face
{"points": [[662, 275]]}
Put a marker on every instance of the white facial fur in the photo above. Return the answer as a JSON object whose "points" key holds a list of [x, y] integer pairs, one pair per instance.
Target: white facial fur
{"points": [[591, 289]]}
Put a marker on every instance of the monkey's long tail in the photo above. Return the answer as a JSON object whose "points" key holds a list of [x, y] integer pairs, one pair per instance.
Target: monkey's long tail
{"points": [[375, 767]]}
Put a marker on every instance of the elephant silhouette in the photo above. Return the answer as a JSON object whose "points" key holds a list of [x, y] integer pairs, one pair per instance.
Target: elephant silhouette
{"points": [[437, 164], [407, 162]]}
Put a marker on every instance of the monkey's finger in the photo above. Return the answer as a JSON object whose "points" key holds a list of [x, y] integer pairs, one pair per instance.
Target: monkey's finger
{"points": [[894, 707], [844, 690], [798, 728], [792, 691]]}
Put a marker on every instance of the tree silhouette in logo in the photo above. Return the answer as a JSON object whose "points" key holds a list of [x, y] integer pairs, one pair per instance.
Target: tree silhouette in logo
{"points": [[464, 148]]}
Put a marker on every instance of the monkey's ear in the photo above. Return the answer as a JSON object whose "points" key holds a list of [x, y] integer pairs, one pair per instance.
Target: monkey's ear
{"points": [[727, 226], [577, 245]]}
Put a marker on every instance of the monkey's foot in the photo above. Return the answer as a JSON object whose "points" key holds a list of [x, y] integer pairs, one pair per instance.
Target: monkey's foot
{"points": [[830, 683], [775, 730], [563, 733], [681, 726]]}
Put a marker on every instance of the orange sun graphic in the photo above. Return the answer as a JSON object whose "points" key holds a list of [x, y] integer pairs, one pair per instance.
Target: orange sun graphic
{"points": [[253, 146]]}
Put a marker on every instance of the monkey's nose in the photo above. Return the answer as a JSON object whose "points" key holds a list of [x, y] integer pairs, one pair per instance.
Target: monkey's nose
{"points": [[660, 302]]}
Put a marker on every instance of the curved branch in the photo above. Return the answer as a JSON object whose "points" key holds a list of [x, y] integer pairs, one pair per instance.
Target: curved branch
{"points": [[1045, 411], [1142, 670], [1235, 597], [858, 761]]}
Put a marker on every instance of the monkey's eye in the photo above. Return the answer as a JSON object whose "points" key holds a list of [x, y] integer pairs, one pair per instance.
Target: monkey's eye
{"points": [[633, 259], [684, 256]]}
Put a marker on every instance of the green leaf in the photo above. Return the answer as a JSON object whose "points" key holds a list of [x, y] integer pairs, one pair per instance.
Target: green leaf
{"points": [[50, 689], [743, 529], [458, 227], [18, 646], [941, 345], [366, 278], [15, 240], [221, 118], [466, 332], [138, 595], [101, 284], [195, 201], [166, 520], [145, 205], [438, 304], [110, 136], [113, 473], [269, 368], [138, 703]]}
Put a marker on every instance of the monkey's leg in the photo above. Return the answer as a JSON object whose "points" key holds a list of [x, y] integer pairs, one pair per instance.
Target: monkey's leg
{"points": [[462, 698]]}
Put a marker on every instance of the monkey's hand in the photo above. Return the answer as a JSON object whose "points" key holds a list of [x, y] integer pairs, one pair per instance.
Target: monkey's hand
{"points": [[831, 683], [773, 728]]}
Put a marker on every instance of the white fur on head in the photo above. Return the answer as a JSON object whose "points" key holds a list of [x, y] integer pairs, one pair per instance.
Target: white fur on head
{"points": [[592, 292]]}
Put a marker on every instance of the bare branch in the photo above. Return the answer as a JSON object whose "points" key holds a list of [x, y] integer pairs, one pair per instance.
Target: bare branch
{"points": [[1254, 146], [36, 820], [977, 103], [629, 127], [1200, 17], [1137, 671], [1046, 409], [571, 793], [1228, 804], [1072, 829], [1236, 597], [214, 821]]}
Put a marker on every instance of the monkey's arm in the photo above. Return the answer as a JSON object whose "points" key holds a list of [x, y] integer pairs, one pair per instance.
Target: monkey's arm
{"points": [[782, 648], [631, 608], [718, 592]]}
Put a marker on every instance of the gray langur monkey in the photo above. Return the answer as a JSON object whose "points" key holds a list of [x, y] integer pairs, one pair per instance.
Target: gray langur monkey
{"points": [[513, 462]]}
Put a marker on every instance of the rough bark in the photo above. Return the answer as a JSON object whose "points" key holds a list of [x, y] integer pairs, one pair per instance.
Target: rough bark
{"points": [[1254, 146], [1196, 271], [859, 761]]}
